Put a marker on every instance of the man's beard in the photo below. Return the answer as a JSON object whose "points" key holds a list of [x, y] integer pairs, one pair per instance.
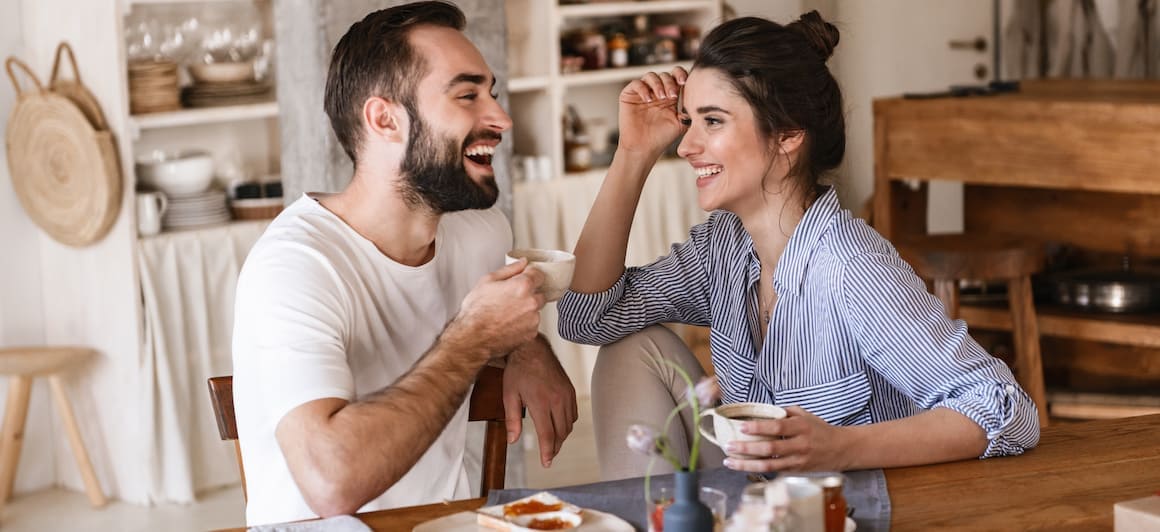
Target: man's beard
{"points": [[434, 174]]}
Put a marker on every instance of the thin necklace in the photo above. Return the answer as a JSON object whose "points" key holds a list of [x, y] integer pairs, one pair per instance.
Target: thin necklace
{"points": [[765, 304]]}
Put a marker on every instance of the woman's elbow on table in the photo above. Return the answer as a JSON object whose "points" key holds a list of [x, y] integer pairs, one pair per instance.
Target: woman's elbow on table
{"points": [[1019, 433]]}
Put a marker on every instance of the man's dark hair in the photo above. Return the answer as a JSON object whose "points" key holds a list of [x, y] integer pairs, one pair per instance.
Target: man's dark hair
{"points": [[375, 58]]}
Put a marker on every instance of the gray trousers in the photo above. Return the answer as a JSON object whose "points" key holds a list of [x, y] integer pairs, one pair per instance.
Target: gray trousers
{"points": [[631, 386]]}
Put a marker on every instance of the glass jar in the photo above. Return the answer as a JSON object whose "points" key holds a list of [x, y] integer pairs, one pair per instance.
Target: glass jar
{"points": [[667, 37], [690, 41], [618, 51], [835, 502], [593, 48], [641, 51], [577, 153]]}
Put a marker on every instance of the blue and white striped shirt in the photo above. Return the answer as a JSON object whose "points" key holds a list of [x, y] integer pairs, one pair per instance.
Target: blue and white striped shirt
{"points": [[855, 338]]}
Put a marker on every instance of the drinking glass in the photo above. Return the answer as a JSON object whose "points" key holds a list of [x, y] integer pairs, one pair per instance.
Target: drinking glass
{"points": [[661, 496]]}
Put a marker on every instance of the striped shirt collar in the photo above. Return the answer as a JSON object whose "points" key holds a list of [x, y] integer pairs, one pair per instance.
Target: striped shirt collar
{"points": [[791, 267]]}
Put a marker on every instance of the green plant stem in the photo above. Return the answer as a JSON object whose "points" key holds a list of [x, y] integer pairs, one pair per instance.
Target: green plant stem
{"points": [[676, 461], [647, 492], [696, 408]]}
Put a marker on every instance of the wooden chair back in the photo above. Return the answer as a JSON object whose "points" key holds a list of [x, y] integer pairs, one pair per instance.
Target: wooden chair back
{"points": [[486, 404], [945, 259]]}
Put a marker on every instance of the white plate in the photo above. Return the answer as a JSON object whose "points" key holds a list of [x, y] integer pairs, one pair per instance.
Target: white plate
{"points": [[196, 217], [465, 522], [222, 217], [257, 202], [851, 526]]}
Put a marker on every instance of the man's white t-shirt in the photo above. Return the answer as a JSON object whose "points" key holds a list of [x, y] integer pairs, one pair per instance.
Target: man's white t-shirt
{"points": [[321, 312]]}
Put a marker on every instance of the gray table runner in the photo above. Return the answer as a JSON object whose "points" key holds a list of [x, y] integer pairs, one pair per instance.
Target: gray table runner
{"points": [[865, 492]]}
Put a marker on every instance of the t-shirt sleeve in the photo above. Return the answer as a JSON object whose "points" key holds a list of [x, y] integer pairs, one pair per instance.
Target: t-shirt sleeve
{"points": [[290, 331]]}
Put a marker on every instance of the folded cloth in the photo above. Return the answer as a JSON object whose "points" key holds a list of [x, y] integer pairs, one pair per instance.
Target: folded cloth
{"points": [[865, 492], [338, 523]]}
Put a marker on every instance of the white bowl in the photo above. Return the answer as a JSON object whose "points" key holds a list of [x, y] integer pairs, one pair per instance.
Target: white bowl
{"points": [[176, 173], [222, 72]]}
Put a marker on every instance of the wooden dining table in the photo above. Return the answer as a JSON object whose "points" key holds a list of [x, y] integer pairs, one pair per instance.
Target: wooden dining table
{"points": [[1070, 481]]}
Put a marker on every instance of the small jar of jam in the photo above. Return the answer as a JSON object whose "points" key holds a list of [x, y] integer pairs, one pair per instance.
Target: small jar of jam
{"points": [[834, 501]]}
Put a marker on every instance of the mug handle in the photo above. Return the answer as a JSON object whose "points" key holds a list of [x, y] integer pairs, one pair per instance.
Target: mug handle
{"points": [[162, 204], [701, 426]]}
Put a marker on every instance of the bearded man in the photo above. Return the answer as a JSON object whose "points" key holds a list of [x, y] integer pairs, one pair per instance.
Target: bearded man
{"points": [[363, 317]]}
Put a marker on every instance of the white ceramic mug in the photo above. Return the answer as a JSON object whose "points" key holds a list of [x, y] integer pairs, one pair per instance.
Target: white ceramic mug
{"points": [[151, 207], [557, 267], [727, 420]]}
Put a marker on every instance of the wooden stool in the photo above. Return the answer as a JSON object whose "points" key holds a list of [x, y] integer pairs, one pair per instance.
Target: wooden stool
{"points": [[945, 259], [23, 364]]}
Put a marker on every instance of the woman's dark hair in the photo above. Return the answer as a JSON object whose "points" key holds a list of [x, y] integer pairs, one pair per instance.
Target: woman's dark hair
{"points": [[781, 71], [375, 58]]}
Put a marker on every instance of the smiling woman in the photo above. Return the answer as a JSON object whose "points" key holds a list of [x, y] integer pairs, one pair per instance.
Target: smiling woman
{"points": [[808, 307]]}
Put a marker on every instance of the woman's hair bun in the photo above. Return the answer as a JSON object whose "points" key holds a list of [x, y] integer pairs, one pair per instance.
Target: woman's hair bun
{"points": [[821, 35]]}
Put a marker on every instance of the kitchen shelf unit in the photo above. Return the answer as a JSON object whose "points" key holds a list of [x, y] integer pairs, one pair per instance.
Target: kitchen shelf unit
{"points": [[540, 93], [244, 136]]}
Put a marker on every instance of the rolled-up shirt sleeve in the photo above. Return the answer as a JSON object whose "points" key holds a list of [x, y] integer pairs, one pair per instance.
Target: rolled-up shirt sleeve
{"points": [[906, 336], [674, 288]]}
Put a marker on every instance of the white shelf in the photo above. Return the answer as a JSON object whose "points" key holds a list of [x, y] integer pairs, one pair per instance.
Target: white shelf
{"points": [[611, 75], [541, 96], [616, 9], [208, 115], [527, 84]]}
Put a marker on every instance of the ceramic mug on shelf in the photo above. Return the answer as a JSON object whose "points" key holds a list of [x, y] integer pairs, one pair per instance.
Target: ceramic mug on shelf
{"points": [[150, 208], [727, 421]]}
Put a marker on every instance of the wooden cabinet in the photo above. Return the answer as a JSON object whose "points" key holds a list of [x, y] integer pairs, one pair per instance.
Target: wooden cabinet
{"points": [[1068, 163]]}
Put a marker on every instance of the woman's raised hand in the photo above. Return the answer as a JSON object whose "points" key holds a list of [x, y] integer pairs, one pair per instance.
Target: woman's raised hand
{"points": [[649, 116]]}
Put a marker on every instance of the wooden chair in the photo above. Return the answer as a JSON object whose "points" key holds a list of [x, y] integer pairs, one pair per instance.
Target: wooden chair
{"points": [[486, 404], [945, 259], [22, 364]]}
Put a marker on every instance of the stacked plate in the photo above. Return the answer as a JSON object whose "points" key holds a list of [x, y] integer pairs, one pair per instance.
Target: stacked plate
{"points": [[196, 210], [226, 93], [153, 87]]}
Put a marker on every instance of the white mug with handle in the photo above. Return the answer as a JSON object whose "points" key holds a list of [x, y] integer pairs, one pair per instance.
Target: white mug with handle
{"points": [[151, 207], [727, 420]]}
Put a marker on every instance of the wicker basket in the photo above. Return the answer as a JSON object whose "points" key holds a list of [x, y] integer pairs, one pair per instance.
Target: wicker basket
{"points": [[256, 209], [64, 169]]}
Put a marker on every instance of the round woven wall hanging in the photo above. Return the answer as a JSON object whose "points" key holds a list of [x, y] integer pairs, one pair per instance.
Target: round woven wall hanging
{"points": [[64, 171]]}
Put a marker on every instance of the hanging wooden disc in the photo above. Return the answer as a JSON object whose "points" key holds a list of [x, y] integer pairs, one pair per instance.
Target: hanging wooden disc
{"points": [[64, 172]]}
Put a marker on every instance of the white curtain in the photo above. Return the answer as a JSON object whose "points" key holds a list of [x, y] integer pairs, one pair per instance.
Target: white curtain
{"points": [[187, 289], [550, 215]]}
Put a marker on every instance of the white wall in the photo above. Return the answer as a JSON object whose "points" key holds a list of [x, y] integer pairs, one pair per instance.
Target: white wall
{"points": [[80, 296], [21, 299], [780, 11]]}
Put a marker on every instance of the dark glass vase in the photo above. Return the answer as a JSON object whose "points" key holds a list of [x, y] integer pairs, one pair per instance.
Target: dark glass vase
{"points": [[687, 513]]}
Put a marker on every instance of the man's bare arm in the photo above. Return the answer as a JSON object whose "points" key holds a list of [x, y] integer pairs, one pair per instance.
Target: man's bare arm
{"points": [[344, 454]]}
